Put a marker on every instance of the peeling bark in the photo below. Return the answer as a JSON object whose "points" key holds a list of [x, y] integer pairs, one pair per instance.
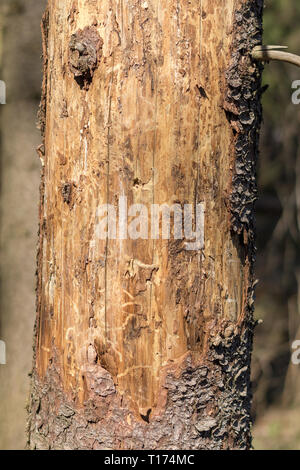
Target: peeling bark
{"points": [[143, 344]]}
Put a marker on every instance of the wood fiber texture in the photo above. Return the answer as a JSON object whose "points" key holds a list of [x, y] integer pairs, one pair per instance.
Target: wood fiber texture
{"points": [[141, 343]]}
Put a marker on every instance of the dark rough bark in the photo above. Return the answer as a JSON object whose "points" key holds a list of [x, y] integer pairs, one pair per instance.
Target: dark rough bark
{"points": [[205, 399], [206, 406]]}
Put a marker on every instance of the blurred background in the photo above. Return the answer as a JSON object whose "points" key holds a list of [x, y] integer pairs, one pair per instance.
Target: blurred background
{"points": [[276, 381], [276, 408], [20, 68]]}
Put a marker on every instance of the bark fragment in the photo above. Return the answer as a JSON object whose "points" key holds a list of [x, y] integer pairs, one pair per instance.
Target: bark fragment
{"points": [[243, 108], [203, 406], [85, 52]]}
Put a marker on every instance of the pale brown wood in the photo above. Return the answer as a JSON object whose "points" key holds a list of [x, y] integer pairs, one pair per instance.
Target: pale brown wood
{"points": [[151, 120]]}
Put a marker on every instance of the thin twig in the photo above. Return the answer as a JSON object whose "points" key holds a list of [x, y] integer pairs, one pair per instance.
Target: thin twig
{"points": [[267, 53]]}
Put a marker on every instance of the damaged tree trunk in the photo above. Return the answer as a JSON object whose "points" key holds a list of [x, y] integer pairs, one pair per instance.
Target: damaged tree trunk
{"points": [[141, 342]]}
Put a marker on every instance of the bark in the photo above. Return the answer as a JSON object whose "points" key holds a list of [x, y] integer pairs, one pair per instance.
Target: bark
{"points": [[143, 344]]}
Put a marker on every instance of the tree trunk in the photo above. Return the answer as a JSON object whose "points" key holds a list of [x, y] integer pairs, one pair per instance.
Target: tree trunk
{"points": [[143, 343]]}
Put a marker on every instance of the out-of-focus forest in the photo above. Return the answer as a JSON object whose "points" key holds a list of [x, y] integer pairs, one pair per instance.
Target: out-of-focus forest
{"points": [[276, 380], [276, 383]]}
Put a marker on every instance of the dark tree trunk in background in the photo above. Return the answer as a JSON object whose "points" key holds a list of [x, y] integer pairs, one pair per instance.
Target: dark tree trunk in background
{"points": [[143, 344]]}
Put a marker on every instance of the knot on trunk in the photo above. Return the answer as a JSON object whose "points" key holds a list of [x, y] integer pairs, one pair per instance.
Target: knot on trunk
{"points": [[85, 51]]}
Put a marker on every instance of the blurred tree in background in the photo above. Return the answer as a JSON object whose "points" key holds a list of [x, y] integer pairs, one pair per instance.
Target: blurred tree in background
{"points": [[20, 68]]}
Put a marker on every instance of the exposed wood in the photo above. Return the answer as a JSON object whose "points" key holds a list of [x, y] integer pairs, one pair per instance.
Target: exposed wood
{"points": [[141, 343]]}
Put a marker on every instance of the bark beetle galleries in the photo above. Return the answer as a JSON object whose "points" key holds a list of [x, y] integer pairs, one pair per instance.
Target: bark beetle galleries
{"points": [[127, 326], [85, 51]]}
